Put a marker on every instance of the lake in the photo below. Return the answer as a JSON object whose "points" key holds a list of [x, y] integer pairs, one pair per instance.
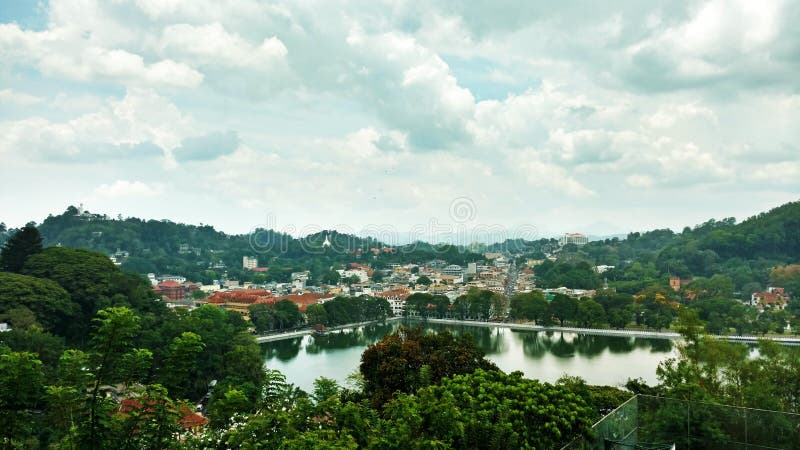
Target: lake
{"points": [[602, 360]]}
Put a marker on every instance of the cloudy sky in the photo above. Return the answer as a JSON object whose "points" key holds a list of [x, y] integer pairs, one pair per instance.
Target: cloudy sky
{"points": [[316, 114]]}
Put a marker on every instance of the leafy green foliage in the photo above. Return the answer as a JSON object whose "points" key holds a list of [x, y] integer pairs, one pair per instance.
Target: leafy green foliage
{"points": [[344, 310], [529, 306], [93, 283], [19, 247], [278, 316], [50, 304], [155, 246], [486, 410], [21, 386], [395, 363]]}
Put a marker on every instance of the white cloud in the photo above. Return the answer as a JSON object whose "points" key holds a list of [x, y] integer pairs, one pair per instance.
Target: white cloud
{"points": [[212, 44], [125, 188], [778, 173], [19, 98], [142, 116], [373, 105], [62, 52], [639, 181], [549, 177], [667, 116]]}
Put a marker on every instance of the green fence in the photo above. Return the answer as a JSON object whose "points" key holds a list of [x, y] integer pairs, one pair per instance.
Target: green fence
{"points": [[646, 422]]}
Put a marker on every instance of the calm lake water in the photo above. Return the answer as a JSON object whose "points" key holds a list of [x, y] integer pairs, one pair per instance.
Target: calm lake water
{"points": [[602, 360]]}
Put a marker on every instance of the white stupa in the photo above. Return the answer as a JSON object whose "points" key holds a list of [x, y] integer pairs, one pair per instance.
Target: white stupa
{"points": [[327, 242]]}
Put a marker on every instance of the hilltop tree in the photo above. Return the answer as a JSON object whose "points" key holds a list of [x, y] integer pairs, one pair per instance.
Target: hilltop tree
{"points": [[20, 247]]}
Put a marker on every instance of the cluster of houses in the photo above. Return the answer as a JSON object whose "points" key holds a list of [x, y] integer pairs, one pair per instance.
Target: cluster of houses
{"points": [[395, 284]]}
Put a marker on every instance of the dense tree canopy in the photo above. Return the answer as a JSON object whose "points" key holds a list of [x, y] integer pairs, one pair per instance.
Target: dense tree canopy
{"points": [[50, 305], [410, 358], [486, 410], [21, 245]]}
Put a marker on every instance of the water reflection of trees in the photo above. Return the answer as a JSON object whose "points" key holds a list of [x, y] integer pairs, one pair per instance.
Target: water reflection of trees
{"points": [[357, 337], [566, 345], [655, 345], [489, 339], [590, 345], [492, 340], [284, 349]]}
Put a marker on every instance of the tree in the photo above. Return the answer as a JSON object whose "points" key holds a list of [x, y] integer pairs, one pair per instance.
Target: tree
{"points": [[17, 249], [49, 304], [590, 313], [150, 420], [21, 388], [93, 283], [564, 308], [287, 314], [528, 306], [352, 279], [395, 363], [224, 406], [485, 410], [180, 366], [424, 280], [324, 388], [316, 314], [111, 341], [330, 277]]}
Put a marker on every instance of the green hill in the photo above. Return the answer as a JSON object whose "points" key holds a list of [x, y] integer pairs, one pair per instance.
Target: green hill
{"points": [[202, 253]]}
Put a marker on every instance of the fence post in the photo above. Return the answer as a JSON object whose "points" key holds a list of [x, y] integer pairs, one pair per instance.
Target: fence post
{"points": [[746, 435], [688, 424]]}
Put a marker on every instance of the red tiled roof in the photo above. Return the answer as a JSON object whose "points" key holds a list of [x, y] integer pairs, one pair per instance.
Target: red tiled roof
{"points": [[303, 300], [400, 293], [188, 418], [193, 420]]}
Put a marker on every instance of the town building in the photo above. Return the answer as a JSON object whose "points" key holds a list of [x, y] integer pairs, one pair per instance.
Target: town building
{"points": [[603, 268], [173, 291], [453, 269], [773, 298], [573, 238], [249, 262], [396, 298]]}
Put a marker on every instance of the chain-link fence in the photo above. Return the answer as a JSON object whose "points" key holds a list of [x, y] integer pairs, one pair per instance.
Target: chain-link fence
{"points": [[646, 422]]}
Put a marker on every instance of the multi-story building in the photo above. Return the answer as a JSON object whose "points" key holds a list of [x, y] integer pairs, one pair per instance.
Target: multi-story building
{"points": [[249, 262], [573, 238], [453, 269], [396, 298]]}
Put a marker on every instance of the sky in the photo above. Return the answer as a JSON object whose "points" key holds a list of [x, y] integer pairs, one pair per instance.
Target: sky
{"points": [[379, 117]]}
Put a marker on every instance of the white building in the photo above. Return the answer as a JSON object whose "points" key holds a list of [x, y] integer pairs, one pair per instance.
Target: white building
{"points": [[603, 268], [453, 269], [360, 273], [573, 238], [249, 262]]}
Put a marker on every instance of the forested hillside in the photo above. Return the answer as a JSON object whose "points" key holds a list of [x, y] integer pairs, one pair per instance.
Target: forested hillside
{"points": [[745, 252], [201, 253]]}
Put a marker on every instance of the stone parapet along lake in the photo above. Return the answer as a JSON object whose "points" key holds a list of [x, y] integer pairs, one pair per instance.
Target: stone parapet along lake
{"points": [[543, 355]]}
